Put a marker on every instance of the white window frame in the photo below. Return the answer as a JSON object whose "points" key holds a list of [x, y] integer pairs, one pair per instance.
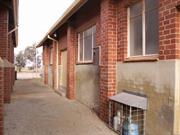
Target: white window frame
{"points": [[79, 38], [143, 33]]}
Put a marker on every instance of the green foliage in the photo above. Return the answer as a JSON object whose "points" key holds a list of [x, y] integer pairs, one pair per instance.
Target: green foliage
{"points": [[20, 60]]}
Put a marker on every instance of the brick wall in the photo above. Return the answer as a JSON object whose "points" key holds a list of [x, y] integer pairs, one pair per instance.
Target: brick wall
{"points": [[122, 30], [169, 24], [7, 85], [4, 33], [11, 59], [108, 54], [169, 36], [71, 61], [62, 45], [112, 35], [1, 95], [5, 52], [45, 63]]}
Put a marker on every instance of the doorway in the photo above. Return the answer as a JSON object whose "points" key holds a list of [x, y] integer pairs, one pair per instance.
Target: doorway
{"points": [[63, 75]]}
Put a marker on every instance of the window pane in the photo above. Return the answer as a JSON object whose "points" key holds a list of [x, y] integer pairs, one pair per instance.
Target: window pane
{"points": [[136, 9], [81, 50], [88, 32], [80, 46], [152, 32], [94, 36], [151, 4], [88, 48], [94, 40], [94, 29], [136, 29]]}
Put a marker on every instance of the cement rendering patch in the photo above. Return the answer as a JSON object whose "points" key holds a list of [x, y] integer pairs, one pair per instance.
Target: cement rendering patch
{"points": [[36, 110]]}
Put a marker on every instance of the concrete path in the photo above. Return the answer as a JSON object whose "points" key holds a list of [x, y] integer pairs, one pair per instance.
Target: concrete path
{"points": [[37, 110]]}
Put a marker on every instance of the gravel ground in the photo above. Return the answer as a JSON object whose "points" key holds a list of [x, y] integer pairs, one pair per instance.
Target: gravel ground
{"points": [[36, 110]]}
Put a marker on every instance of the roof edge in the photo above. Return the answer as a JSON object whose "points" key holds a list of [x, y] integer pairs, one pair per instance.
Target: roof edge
{"points": [[67, 14]]}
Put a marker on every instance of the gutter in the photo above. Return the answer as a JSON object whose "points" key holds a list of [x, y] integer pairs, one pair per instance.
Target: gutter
{"points": [[57, 59], [76, 5]]}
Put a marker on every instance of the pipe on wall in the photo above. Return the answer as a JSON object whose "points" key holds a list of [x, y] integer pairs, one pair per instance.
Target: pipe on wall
{"points": [[57, 59]]}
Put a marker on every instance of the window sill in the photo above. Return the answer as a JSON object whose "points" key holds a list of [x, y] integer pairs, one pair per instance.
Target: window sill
{"points": [[153, 58], [84, 63]]}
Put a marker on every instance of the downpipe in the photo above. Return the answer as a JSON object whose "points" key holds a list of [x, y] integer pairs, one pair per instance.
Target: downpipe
{"points": [[57, 59]]}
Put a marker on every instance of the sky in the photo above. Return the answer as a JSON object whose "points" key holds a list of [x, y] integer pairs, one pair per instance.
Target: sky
{"points": [[35, 19]]}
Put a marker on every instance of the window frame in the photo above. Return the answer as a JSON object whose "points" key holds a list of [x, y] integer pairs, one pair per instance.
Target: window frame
{"points": [[79, 49], [143, 34]]}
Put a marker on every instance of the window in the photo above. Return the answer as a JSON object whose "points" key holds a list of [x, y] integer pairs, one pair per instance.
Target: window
{"points": [[51, 56], [143, 28], [86, 43]]}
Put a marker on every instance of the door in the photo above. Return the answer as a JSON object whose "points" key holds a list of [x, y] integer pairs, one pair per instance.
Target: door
{"points": [[50, 76], [63, 82]]}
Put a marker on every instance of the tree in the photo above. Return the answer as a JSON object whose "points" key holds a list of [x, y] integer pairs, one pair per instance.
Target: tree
{"points": [[30, 53], [39, 59], [20, 61]]}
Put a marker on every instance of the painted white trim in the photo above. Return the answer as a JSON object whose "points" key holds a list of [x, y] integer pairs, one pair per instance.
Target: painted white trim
{"points": [[79, 47], [128, 35], [143, 29], [83, 45], [92, 46], [92, 43], [143, 33]]}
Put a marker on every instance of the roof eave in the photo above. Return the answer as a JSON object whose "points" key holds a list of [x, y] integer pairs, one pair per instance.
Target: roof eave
{"points": [[63, 19], [16, 9]]}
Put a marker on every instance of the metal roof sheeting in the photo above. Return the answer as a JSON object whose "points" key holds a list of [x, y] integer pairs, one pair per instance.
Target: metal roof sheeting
{"points": [[131, 100]]}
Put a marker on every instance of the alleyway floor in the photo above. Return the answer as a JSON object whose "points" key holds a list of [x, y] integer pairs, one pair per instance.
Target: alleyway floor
{"points": [[37, 110]]}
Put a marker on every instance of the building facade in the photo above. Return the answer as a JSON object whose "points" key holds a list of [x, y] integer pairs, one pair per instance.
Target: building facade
{"points": [[8, 41], [100, 48]]}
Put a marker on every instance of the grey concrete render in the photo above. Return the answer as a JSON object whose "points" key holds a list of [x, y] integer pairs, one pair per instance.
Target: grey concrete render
{"points": [[43, 112], [156, 80], [87, 85], [159, 74]]}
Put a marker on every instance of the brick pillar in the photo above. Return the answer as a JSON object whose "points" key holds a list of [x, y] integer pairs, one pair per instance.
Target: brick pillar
{"points": [[7, 81], [71, 61], [108, 55], [4, 51], [1, 95], [45, 63], [169, 30], [10, 59], [169, 42], [4, 33]]}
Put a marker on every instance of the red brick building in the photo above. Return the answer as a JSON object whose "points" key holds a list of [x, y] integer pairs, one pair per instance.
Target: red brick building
{"points": [[101, 48], [8, 41]]}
